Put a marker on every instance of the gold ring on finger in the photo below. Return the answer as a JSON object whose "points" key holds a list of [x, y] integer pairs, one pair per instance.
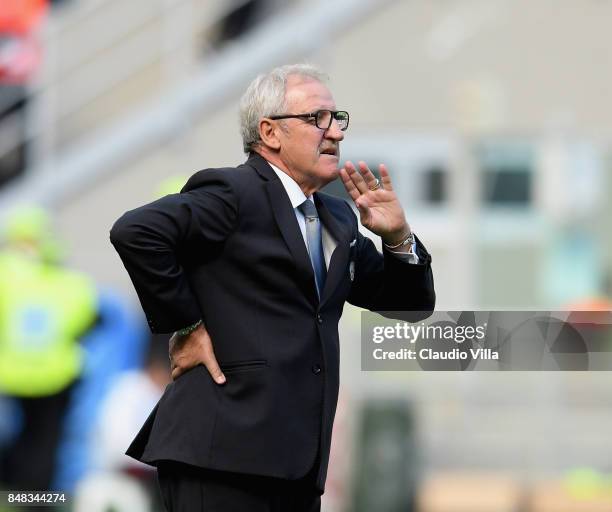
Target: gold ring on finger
{"points": [[376, 185]]}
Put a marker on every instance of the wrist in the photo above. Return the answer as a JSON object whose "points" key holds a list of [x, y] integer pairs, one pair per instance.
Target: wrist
{"points": [[404, 245], [189, 329], [398, 239]]}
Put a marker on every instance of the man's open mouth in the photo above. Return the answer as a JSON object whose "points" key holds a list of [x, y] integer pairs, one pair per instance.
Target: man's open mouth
{"points": [[329, 151]]}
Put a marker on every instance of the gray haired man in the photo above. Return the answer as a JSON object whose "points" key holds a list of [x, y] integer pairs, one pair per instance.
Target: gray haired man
{"points": [[250, 267]]}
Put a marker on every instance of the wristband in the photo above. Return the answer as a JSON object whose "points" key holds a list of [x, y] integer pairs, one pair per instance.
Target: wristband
{"points": [[188, 330], [409, 240]]}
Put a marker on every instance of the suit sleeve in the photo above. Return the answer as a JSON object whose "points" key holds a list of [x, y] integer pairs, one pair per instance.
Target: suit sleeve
{"points": [[384, 282], [154, 240]]}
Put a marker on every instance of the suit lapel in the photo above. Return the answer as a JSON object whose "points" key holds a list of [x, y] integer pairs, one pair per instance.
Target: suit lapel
{"points": [[287, 224], [290, 230], [339, 259]]}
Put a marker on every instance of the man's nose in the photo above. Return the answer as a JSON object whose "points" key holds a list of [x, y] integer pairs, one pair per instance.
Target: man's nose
{"points": [[334, 132]]}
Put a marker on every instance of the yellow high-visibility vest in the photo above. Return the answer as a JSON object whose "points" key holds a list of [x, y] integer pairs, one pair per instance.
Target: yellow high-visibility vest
{"points": [[44, 310]]}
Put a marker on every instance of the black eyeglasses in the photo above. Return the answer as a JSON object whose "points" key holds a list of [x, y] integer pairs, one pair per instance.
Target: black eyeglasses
{"points": [[323, 118]]}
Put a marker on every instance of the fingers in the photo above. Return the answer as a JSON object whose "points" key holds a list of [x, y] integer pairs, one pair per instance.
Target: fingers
{"points": [[177, 372], [356, 178], [363, 179], [191, 350], [367, 176], [211, 363], [385, 179], [364, 211], [350, 187], [358, 184], [359, 199]]}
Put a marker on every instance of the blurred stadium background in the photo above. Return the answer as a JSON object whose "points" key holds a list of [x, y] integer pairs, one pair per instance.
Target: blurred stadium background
{"points": [[493, 118]]}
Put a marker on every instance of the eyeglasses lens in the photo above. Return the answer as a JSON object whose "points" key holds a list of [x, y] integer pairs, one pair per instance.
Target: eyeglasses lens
{"points": [[324, 119]]}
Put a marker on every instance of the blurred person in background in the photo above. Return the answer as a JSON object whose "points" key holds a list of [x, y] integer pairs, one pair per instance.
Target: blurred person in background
{"points": [[44, 310], [20, 56], [252, 265], [115, 481], [134, 392]]}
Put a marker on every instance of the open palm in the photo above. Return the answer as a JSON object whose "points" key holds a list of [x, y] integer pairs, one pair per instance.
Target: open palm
{"points": [[379, 209]]}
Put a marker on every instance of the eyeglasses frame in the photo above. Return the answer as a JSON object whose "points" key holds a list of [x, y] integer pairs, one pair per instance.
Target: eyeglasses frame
{"points": [[314, 115]]}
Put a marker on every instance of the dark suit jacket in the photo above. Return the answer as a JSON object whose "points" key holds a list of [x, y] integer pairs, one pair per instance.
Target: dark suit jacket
{"points": [[228, 249]]}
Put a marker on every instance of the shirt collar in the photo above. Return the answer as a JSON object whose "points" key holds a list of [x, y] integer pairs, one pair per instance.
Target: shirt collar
{"points": [[296, 196]]}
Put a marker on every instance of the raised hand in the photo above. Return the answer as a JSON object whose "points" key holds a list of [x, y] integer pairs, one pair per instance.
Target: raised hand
{"points": [[379, 209]]}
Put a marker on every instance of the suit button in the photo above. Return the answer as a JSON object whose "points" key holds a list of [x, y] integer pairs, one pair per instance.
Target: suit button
{"points": [[316, 369], [319, 319]]}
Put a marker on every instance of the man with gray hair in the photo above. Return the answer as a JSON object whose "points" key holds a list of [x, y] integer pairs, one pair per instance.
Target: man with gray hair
{"points": [[250, 267]]}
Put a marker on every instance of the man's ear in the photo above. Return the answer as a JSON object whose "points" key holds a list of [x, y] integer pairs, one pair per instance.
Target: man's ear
{"points": [[268, 131]]}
